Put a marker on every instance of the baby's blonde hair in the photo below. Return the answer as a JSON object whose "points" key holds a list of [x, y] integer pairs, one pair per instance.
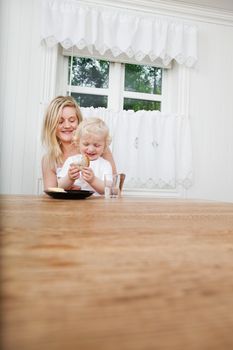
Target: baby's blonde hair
{"points": [[50, 123], [94, 126]]}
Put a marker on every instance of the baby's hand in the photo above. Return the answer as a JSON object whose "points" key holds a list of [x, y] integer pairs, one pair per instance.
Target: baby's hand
{"points": [[74, 172], [88, 174]]}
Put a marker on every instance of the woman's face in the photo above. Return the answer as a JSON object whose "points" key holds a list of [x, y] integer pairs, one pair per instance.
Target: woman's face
{"points": [[67, 124]]}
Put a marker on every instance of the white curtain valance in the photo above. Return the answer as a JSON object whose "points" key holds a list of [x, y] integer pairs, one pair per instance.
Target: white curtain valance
{"points": [[153, 149], [109, 30]]}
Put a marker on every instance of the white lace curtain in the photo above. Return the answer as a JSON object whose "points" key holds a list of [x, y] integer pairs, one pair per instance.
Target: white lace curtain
{"points": [[153, 149], [113, 33]]}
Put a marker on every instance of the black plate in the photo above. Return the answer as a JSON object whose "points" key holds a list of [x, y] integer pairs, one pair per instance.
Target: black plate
{"points": [[70, 194]]}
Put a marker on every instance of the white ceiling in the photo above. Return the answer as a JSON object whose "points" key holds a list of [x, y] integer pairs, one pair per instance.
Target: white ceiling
{"points": [[226, 5]]}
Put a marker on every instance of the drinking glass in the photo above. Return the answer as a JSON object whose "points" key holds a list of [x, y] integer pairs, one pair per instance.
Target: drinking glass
{"points": [[111, 185]]}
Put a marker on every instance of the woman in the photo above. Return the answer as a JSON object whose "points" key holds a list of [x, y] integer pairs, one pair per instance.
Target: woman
{"points": [[61, 120]]}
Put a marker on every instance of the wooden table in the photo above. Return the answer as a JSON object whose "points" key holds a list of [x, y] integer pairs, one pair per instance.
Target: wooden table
{"points": [[120, 274]]}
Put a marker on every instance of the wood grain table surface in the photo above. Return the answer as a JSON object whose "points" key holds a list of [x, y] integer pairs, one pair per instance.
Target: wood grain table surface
{"points": [[118, 274]]}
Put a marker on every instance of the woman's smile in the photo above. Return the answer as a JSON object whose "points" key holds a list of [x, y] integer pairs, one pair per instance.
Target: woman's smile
{"points": [[68, 123]]}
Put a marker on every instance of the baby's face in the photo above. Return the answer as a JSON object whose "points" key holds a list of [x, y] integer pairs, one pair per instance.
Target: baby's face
{"points": [[92, 145]]}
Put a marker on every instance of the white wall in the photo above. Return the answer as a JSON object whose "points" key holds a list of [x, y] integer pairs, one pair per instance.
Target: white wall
{"points": [[211, 110], [23, 97], [20, 87]]}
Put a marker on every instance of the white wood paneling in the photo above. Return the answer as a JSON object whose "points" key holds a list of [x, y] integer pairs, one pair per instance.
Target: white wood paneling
{"points": [[20, 92], [8, 74]]}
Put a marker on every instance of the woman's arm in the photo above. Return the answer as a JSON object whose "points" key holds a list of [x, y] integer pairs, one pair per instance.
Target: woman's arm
{"points": [[108, 156], [65, 182], [48, 174], [50, 178]]}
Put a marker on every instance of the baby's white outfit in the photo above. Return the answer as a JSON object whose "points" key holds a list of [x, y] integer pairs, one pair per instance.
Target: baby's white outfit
{"points": [[99, 166]]}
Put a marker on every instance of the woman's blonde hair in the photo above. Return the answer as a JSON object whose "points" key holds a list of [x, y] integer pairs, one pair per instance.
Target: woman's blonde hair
{"points": [[50, 123], [94, 126]]}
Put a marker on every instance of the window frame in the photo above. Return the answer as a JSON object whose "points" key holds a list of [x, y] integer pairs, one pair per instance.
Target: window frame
{"points": [[115, 96], [176, 90]]}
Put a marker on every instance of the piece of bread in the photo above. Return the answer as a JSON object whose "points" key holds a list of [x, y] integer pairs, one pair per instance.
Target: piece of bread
{"points": [[84, 161], [56, 189]]}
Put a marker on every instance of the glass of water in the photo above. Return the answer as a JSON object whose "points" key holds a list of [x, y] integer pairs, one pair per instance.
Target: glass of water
{"points": [[111, 185]]}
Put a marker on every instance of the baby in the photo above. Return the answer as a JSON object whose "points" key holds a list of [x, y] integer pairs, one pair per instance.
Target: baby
{"points": [[92, 138]]}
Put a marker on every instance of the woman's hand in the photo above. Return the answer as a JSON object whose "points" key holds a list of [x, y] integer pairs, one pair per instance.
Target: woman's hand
{"points": [[88, 175]]}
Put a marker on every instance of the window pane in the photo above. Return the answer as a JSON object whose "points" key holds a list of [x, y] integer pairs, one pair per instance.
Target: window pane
{"points": [[87, 100], [89, 72], [136, 105], [145, 79]]}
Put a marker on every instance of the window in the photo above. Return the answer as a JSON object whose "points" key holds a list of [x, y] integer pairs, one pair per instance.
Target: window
{"points": [[99, 82], [114, 85], [142, 87]]}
